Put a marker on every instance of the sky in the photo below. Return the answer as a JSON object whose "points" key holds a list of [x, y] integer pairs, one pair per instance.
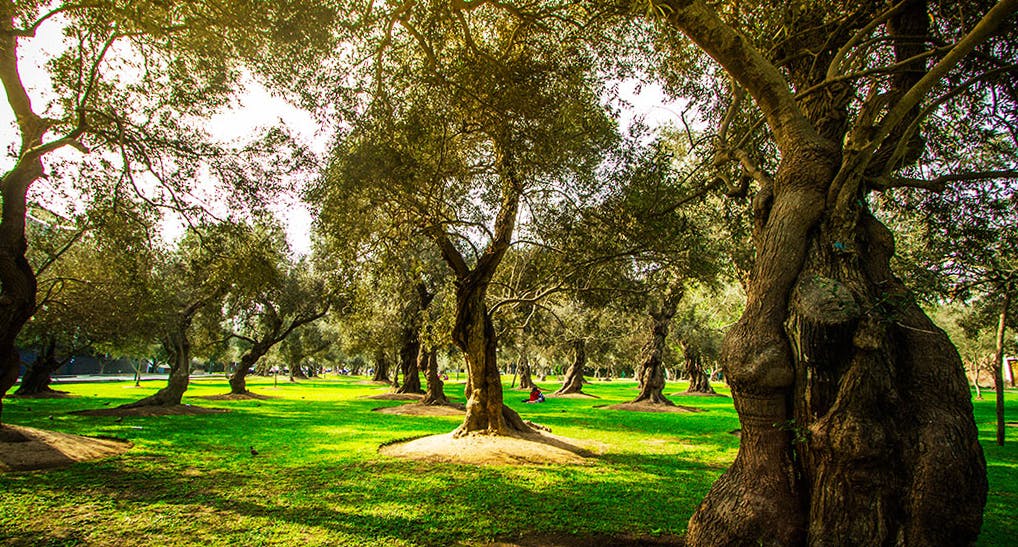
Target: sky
{"points": [[258, 108]]}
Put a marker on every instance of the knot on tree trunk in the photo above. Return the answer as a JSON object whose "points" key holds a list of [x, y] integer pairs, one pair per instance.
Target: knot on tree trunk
{"points": [[824, 301]]}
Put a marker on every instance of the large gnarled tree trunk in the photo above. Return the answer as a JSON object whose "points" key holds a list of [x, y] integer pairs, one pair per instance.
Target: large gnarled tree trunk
{"points": [[857, 424]]}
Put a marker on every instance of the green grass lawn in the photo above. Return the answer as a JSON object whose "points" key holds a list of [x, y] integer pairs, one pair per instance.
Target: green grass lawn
{"points": [[319, 480]]}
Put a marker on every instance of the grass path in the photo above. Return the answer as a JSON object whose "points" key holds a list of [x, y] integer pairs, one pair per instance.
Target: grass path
{"points": [[318, 479]]}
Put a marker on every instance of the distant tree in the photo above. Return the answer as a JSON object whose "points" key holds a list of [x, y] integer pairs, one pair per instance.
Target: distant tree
{"points": [[93, 288], [278, 295], [189, 280]]}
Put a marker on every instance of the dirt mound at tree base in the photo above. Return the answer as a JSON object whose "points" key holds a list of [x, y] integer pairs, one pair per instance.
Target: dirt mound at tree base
{"points": [[571, 396], [422, 410], [650, 407], [246, 396], [169, 410], [396, 396], [537, 448], [696, 394], [568, 540], [26, 448]]}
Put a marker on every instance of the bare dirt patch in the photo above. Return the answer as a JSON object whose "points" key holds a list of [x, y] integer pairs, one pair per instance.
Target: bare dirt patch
{"points": [[396, 397], [651, 407], [373, 383], [688, 394], [170, 410], [417, 409], [26, 448], [537, 448], [544, 539]]}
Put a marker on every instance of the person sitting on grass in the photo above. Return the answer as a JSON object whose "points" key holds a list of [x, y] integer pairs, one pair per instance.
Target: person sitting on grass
{"points": [[535, 396]]}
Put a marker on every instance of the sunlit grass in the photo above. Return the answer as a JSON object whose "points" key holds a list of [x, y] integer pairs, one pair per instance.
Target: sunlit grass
{"points": [[318, 479]]}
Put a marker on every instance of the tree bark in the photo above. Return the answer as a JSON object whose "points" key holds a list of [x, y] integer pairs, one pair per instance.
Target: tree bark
{"points": [[998, 364], [178, 347], [573, 381], [381, 366], [699, 380], [18, 284], [435, 394], [474, 334], [651, 371], [857, 424], [408, 356], [238, 381]]}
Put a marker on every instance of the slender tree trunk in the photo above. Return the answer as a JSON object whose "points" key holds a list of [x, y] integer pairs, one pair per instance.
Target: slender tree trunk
{"points": [[998, 364], [573, 381], [975, 380], [699, 380], [474, 335], [381, 366], [435, 395], [39, 374], [178, 347], [526, 382], [408, 356]]}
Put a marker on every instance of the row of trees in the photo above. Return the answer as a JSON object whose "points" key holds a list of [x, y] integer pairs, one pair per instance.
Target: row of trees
{"points": [[476, 143]]}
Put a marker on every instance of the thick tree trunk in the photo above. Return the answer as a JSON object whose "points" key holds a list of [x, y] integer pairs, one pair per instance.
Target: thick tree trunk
{"points": [[651, 371], [699, 380], [39, 374], [17, 279], [18, 284], [856, 415], [238, 381], [998, 364], [381, 366], [435, 395], [178, 347], [474, 335], [408, 356], [573, 381]]}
